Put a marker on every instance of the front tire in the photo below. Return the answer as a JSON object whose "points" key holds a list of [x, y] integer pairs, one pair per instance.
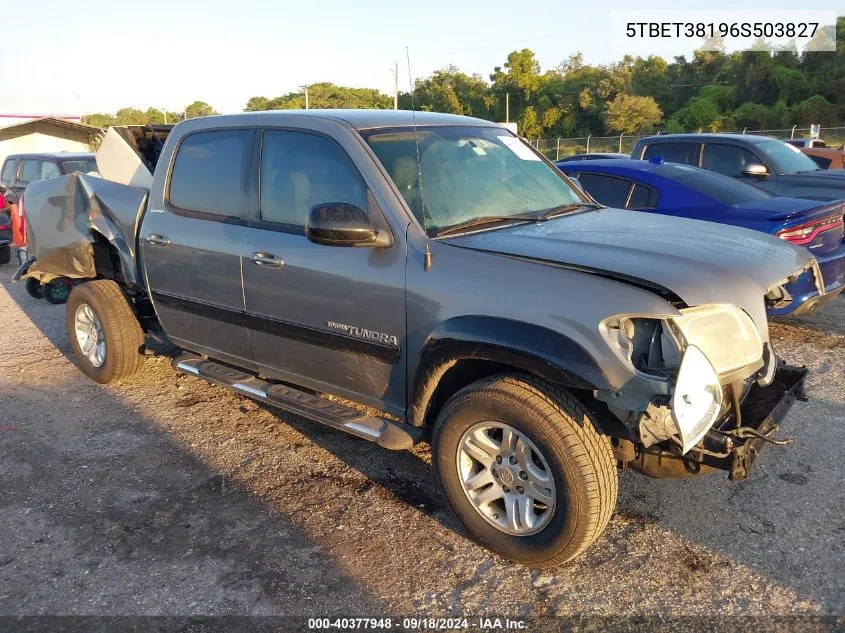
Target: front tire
{"points": [[524, 469], [5, 254], [104, 332]]}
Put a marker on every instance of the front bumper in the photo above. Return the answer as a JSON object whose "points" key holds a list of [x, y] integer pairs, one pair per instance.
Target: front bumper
{"points": [[762, 410]]}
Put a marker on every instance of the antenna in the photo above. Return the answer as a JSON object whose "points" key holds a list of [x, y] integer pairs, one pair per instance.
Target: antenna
{"points": [[428, 256]]}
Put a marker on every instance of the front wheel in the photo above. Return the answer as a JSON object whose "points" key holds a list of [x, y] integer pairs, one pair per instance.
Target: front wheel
{"points": [[524, 469], [5, 254], [104, 332]]}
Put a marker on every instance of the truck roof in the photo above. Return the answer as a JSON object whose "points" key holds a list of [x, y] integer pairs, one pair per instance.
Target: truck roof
{"points": [[53, 155], [368, 119]]}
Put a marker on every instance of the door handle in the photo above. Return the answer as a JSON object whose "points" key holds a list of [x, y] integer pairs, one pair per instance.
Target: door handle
{"points": [[158, 240], [266, 259]]}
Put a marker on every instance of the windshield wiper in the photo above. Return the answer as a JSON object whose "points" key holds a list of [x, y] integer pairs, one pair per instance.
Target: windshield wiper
{"points": [[483, 220], [553, 212]]}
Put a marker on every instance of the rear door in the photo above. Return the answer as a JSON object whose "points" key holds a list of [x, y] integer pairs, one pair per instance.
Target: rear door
{"points": [[328, 318], [192, 239]]}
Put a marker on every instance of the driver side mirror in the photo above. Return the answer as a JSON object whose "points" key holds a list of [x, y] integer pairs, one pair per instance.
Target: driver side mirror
{"points": [[755, 170], [343, 224]]}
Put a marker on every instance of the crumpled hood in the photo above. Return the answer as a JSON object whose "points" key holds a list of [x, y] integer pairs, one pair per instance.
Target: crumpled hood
{"points": [[700, 262]]}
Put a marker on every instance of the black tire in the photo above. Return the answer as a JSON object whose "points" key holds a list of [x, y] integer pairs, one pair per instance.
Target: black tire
{"points": [[57, 291], [580, 460], [5, 254], [34, 288], [122, 333]]}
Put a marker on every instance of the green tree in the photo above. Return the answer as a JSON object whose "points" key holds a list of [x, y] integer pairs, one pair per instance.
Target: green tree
{"points": [[817, 109], [698, 113], [629, 114], [198, 109], [529, 125], [129, 116], [449, 90]]}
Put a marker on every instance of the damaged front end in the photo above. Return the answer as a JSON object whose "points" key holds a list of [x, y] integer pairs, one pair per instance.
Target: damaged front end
{"points": [[707, 394]]}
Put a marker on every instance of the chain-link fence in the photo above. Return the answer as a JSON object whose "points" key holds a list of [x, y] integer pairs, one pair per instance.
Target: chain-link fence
{"points": [[556, 148]]}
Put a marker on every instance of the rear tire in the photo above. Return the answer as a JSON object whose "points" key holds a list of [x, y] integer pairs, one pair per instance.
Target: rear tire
{"points": [[5, 254], [104, 332], [563, 444], [34, 288]]}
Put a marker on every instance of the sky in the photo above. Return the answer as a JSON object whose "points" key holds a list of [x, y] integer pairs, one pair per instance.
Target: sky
{"points": [[84, 56]]}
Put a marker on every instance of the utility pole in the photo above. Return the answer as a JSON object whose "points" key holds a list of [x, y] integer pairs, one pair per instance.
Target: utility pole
{"points": [[305, 88], [507, 107], [396, 86]]}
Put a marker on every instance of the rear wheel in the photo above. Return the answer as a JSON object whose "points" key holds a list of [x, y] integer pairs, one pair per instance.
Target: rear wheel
{"points": [[524, 469], [5, 254], [104, 332], [34, 288], [57, 291]]}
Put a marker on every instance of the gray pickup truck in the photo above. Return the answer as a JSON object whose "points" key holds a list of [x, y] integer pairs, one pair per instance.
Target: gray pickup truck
{"points": [[437, 269]]}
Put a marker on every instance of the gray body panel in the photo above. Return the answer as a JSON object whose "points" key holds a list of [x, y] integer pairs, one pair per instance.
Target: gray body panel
{"points": [[814, 185]]}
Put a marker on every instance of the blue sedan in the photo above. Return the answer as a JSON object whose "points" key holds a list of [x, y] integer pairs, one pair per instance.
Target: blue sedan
{"points": [[690, 192]]}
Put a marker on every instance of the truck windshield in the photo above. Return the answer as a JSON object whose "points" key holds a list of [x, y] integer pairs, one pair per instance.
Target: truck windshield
{"points": [[468, 173], [787, 158]]}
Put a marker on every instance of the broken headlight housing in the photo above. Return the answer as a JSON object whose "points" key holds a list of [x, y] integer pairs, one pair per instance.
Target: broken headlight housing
{"points": [[654, 346], [700, 350], [725, 334]]}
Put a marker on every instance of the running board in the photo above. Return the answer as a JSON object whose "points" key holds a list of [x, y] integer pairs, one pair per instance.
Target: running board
{"points": [[308, 405]]}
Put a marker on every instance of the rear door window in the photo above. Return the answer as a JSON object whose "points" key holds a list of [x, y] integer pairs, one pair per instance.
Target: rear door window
{"points": [[609, 190], [208, 175], [8, 174], [726, 159], [686, 153]]}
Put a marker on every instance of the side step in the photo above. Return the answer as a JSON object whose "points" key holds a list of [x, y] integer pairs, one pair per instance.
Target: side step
{"points": [[308, 405]]}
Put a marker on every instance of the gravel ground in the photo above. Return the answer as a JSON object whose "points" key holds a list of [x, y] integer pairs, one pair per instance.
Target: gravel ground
{"points": [[166, 495]]}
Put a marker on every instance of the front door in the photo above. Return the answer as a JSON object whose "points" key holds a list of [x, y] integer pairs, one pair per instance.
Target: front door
{"points": [[192, 242], [328, 318]]}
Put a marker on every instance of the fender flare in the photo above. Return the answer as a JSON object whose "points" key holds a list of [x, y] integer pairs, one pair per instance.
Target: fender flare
{"points": [[531, 348]]}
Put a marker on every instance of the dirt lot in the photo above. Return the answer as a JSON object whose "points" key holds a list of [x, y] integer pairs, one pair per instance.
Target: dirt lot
{"points": [[166, 495]]}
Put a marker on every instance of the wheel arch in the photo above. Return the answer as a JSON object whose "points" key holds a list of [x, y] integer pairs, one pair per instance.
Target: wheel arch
{"points": [[465, 349]]}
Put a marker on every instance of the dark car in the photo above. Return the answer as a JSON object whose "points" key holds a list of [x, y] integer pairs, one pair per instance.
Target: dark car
{"points": [[690, 192], [765, 162], [21, 169], [593, 156]]}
